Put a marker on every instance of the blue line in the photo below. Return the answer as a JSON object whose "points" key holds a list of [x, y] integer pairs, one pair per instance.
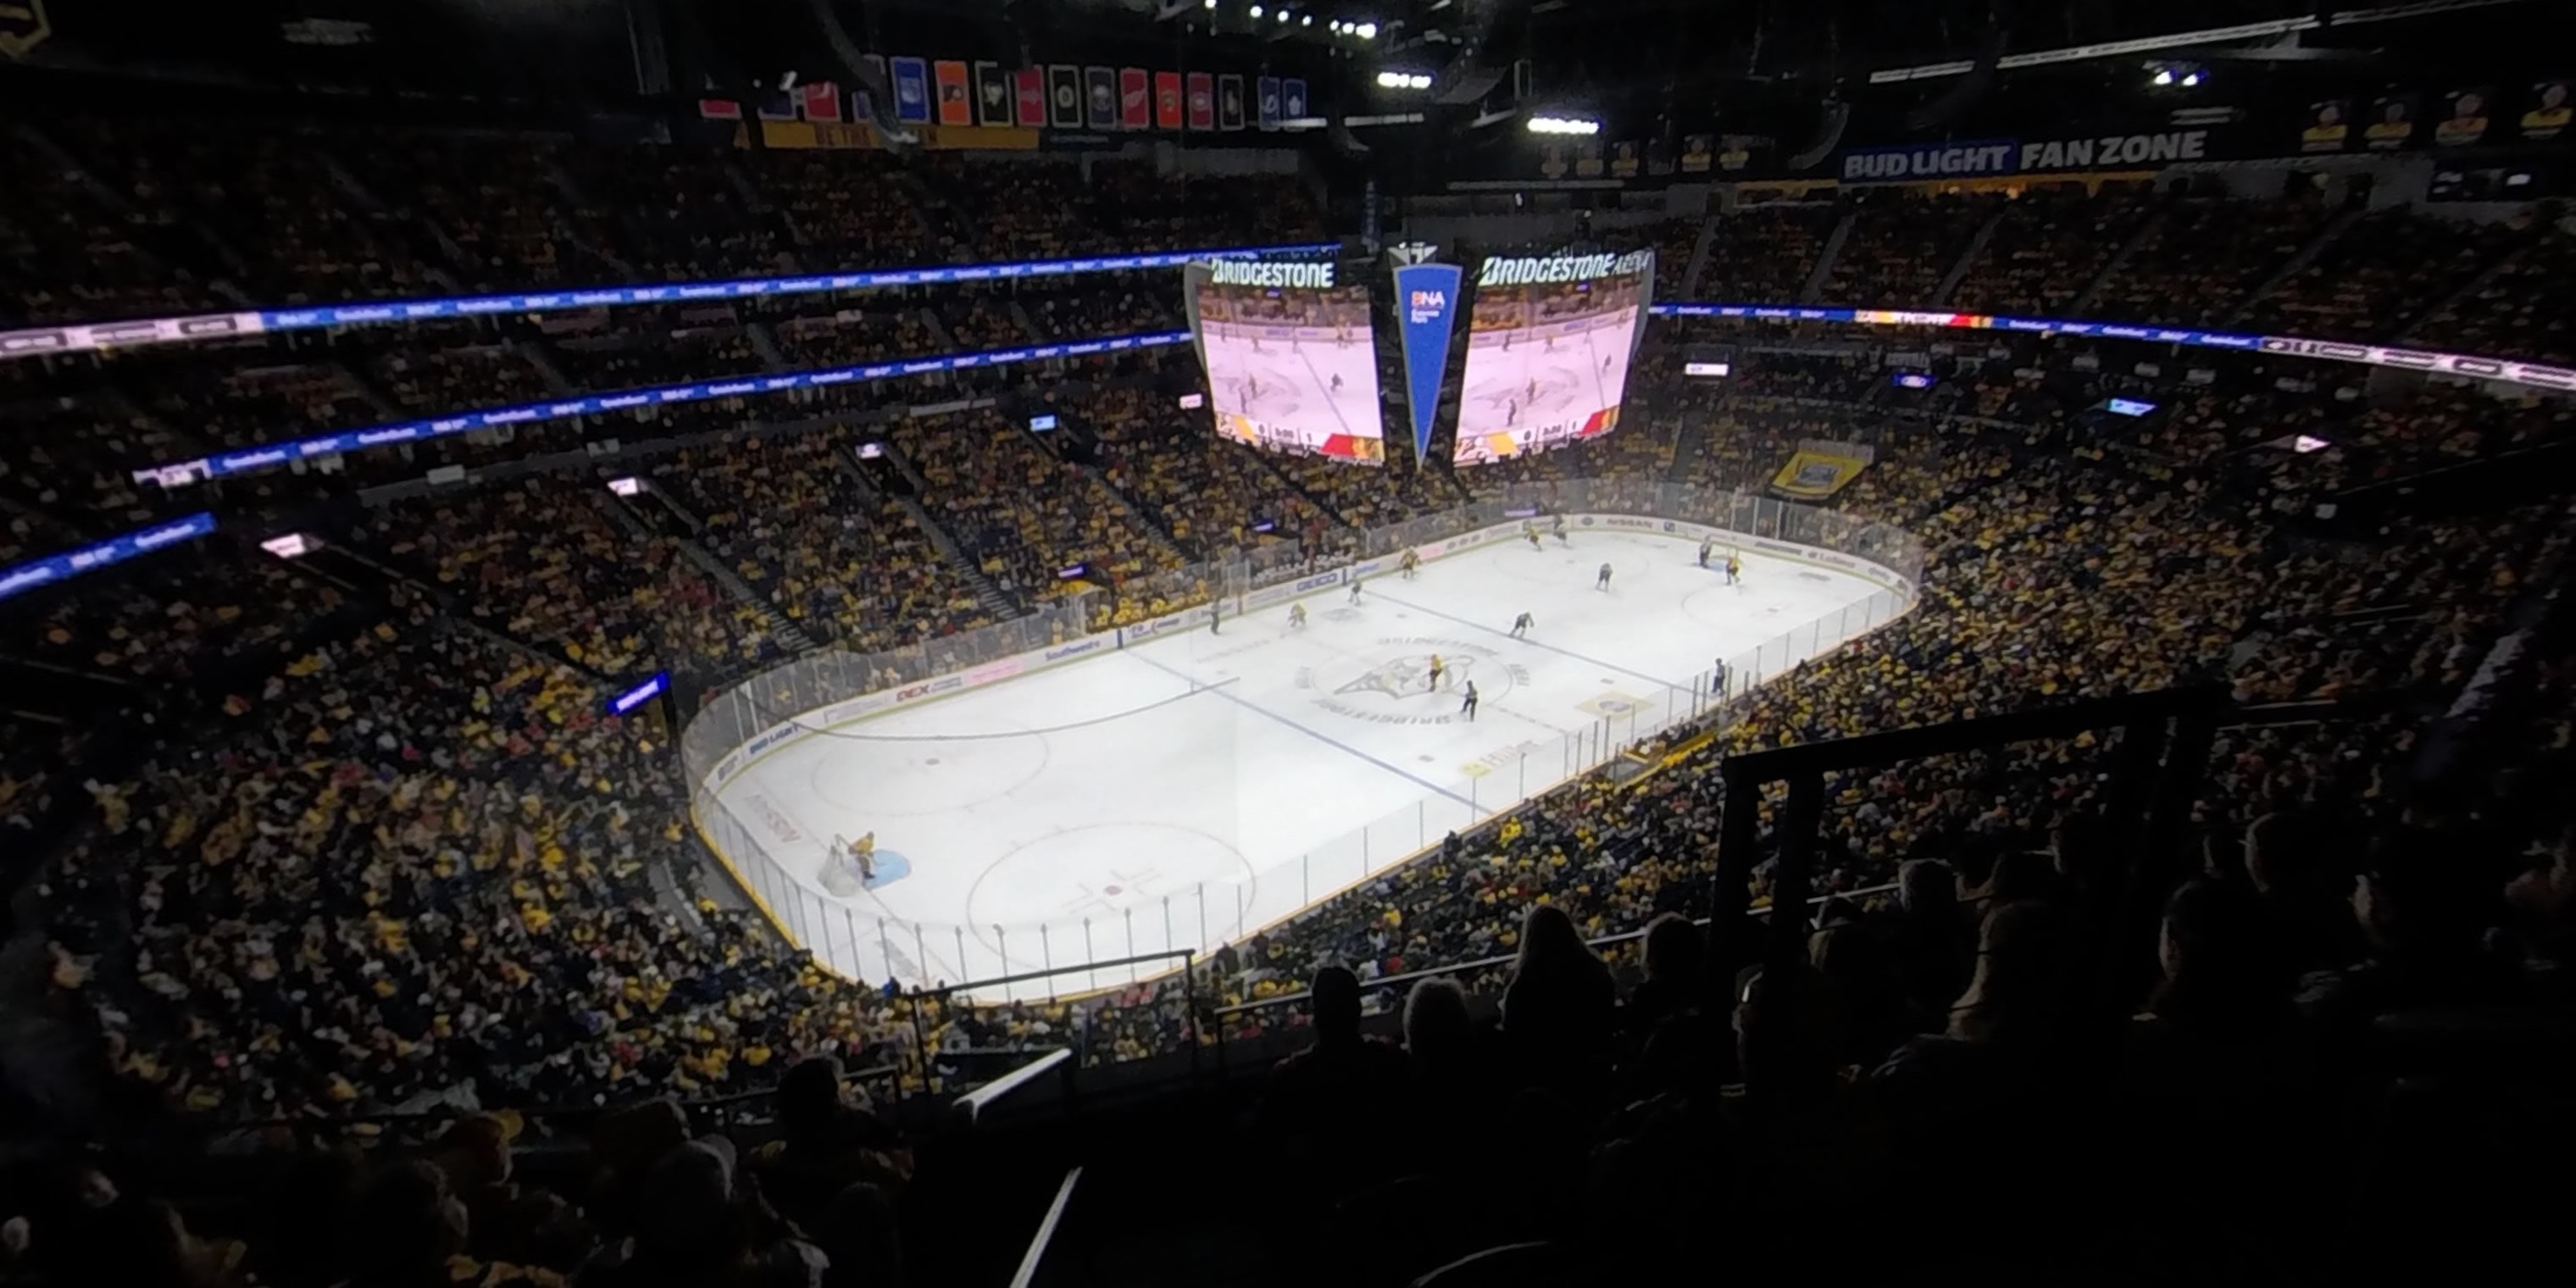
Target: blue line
{"points": [[1522, 639], [1326, 739]]}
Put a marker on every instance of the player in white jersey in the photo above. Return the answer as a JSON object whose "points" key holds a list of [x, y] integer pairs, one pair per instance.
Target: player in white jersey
{"points": [[1602, 582], [1560, 531], [1707, 546], [1521, 626], [1355, 590]]}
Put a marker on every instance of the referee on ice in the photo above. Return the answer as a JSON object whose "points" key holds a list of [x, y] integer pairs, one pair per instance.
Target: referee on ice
{"points": [[1468, 707]]}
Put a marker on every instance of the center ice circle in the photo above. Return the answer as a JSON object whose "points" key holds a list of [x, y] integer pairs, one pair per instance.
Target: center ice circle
{"points": [[907, 779], [1100, 871]]}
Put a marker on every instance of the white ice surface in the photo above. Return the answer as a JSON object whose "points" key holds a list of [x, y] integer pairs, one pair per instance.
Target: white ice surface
{"points": [[1223, 781]]}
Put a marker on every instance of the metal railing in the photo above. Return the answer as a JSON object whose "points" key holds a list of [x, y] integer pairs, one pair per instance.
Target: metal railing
{"points": [[783, 867]]}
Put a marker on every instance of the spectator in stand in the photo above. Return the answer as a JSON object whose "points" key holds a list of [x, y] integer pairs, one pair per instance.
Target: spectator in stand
{"points": [[1559, 1011], [1337, 1103], [829, 1141]]}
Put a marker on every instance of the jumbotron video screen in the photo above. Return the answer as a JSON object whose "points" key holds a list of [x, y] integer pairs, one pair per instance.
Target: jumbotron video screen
{"points": [[1548, 348], [1290, 358]]}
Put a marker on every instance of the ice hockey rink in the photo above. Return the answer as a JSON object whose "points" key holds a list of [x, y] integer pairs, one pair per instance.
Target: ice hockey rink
{"points": [[1550, 374], [1290, 383], [1189, 790]]}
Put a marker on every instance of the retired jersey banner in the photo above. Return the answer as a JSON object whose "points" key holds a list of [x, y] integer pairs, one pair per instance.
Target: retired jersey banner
{"points": [[992, 94], [1426, 312], [1587, 158], [1229, 102], [1202, 101], [1292, 99], [2548, 117], [1100, 85], [911, 78], [1029, 86], [1167, 100], [2466, 120], [1623, 159], [2392, 123], [1135, 98], [1697, 151], [2329, 126], [956, 97], [822, 100]]}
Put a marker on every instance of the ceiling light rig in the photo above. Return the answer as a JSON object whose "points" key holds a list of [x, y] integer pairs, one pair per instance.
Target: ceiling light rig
{"points": [[1563, 125]]}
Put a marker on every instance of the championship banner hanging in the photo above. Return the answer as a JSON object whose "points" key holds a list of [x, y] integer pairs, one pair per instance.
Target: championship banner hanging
{"points": [[1167, 100], [1292, 99], [1426, 310], [1266, 90]]}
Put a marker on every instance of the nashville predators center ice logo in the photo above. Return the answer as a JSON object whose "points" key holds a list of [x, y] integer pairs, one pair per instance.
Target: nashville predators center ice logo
{"points": [[1397, 689]]}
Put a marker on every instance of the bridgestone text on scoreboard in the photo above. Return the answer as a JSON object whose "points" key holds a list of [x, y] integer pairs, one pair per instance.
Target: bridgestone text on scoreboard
{"points": [[1568, 268], [1227, 272]]}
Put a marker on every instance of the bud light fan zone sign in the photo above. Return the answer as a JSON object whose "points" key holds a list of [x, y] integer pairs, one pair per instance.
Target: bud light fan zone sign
{"points": [[1549, 344], [1989, 158], [1426, 303]]}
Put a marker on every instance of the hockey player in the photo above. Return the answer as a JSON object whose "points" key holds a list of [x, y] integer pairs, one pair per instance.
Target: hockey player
{"points": [[1355, 590], [1530, 530], [1707, 546], [1216, 617], [1410, 564], [863, 854], [1560, 531], [1511, 411], [1435, 672], [1717, 679], [1296, 617], [1468, 707], [1605, 362], [1734, 568], [1521, 625], [1602, 582], [1337, 384], [1532, 392]]}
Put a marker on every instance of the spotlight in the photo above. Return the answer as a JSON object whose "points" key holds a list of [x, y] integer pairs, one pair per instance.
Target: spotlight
{"points": [[1366, 31], [1209, 5], [1284, 16], [1404, 80], [1562, 125], [1256, 12], [2163, 76], [2191, 78], [1307, 21]]}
